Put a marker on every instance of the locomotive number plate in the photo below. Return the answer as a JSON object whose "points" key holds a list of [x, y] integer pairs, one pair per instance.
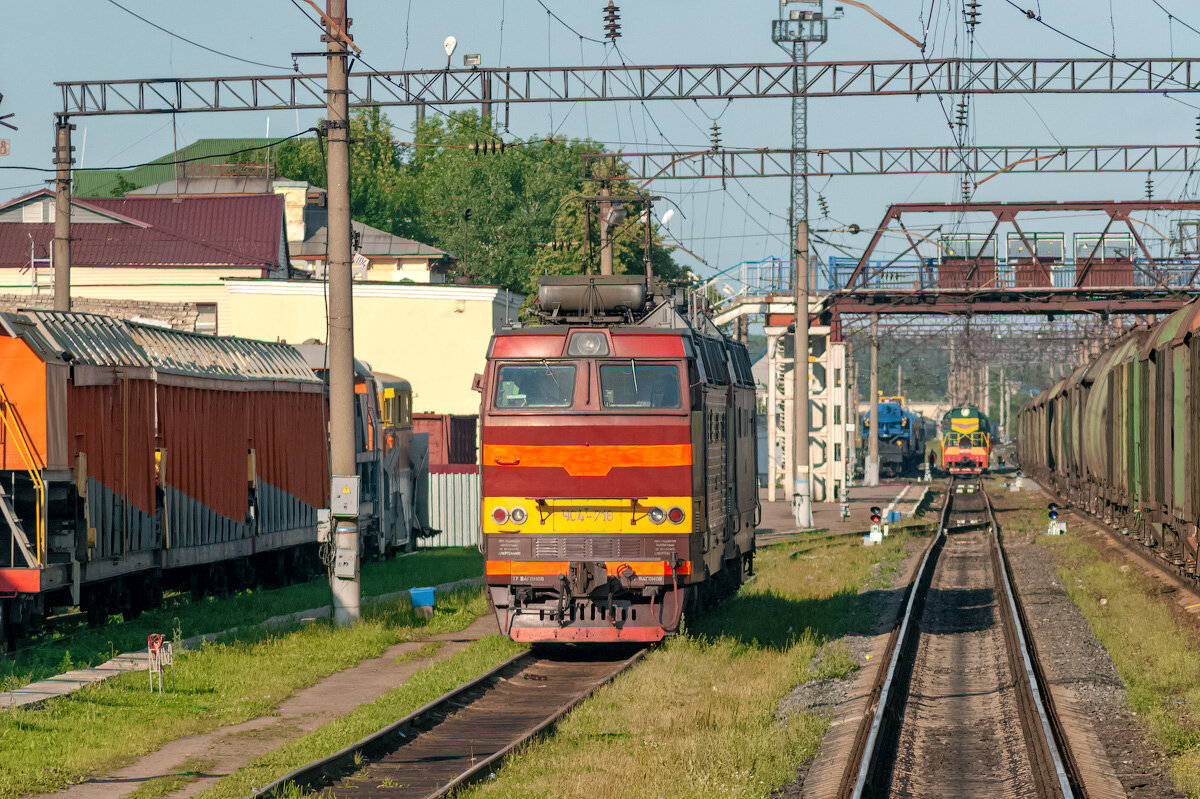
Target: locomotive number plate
{"points": [[587, 515]]}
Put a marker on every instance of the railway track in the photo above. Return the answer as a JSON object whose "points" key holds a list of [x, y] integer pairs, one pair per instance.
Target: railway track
{"points": [[962, 707], [464, 735]]}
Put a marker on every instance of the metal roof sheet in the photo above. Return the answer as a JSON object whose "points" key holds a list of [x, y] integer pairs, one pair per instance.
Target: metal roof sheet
{"points": [[95, 340], [244, 231], [202, 355]]}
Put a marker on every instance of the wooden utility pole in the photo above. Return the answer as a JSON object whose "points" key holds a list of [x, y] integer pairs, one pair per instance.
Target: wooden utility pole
{"points": [[872, 469], [344, 577], [61, 248], [802, 489]]}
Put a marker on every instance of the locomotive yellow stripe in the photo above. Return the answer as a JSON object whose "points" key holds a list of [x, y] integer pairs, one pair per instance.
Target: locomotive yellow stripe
{"points": [[587, 516], [964, 425]]}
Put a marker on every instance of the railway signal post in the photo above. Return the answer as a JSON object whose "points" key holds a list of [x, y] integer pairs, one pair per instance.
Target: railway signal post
{"points": [[802, 491], [344, 577]]}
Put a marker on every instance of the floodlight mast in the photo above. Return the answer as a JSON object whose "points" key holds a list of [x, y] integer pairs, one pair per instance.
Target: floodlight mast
{"points": [[806, 24]]}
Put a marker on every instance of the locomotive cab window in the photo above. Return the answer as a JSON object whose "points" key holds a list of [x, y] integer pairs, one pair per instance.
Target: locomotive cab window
{"points": [[635, 385], [536, 386]]}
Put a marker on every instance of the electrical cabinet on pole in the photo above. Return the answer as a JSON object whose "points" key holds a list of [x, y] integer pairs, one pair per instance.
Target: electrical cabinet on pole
{"points": [[802, 489], [343, 494], [872, 468]]}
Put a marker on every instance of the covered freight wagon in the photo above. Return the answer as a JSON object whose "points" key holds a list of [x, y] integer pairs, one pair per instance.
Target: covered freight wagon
{"points": [[133, 456]]}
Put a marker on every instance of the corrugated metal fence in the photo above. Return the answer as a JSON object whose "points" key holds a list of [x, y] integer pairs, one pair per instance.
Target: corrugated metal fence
{"points": [[454, 506]]}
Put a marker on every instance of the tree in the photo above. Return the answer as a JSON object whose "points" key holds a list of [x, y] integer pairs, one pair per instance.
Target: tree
{"points": [[453, 187], [123, 186]]}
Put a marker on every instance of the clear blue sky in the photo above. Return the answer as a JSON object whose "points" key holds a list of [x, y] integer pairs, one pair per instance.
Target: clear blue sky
{"points": [[746, 219]]}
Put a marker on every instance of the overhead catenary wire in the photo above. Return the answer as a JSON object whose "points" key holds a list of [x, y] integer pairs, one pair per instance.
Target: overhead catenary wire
{"points": [[169, 163], [194, 43]]}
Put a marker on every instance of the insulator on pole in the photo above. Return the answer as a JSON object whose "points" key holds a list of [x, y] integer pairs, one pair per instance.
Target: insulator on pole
{"points": [[1149, 187], [971, 11], [821, 201], [612, 15], [716, 136]]}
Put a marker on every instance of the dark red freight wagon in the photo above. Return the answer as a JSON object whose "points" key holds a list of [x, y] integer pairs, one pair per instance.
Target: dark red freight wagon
{"points": [[134, 456]]}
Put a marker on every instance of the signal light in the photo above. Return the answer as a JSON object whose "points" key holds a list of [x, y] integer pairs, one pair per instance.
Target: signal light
{"points": [[499, 515], [675, 515], [518, 515], [657, 515], [1053, 508], [876, 513]]}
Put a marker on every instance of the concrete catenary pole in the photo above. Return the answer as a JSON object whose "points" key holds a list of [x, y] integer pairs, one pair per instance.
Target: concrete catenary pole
{"points": [[61, 252], [1003, 402], [344, 579], [852, 410], [872, 470], [802, 490], [899, 380], [606, 255]]}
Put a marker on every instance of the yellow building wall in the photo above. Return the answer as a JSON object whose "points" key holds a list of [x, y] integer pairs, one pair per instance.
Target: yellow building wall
{"points": [[436, 339], [146, 283]]}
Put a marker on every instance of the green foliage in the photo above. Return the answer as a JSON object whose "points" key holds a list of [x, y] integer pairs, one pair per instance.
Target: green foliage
{"points": [[519, 199], [123, 186]]}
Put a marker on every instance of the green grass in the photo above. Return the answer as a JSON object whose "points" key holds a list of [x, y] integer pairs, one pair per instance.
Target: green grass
{"points": [[1153, 653], [425, 650], [420, 689], [699, 716], [185, 773], [81, 646], [240, 677]]}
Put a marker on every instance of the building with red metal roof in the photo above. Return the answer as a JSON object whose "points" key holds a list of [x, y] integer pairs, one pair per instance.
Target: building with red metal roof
{"points": [[244, 232]]}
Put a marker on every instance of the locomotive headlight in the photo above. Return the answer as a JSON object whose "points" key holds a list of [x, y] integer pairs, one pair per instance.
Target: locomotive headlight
{"points": [[657, 515], [499, 515], [518, 515], [587, 344], [675, 515]]}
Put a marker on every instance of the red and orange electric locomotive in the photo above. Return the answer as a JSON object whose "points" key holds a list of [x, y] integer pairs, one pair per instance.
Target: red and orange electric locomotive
{"points": [[618, 464]]}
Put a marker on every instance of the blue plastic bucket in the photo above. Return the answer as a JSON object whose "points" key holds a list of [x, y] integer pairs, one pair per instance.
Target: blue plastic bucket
{"points": [[422, 597]]}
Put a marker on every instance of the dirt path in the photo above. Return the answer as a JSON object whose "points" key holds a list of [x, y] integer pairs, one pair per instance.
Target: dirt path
{"points": [[217, 754]]}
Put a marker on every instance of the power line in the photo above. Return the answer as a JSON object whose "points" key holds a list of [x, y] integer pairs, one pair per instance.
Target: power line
{"points": [[168, 163], [1173, 17], [195, 43], [568, 27]]}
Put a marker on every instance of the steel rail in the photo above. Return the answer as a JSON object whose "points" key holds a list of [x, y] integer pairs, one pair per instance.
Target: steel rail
{"points": [[1053, 743], [396, 734], [870, 757], [869, 752]]}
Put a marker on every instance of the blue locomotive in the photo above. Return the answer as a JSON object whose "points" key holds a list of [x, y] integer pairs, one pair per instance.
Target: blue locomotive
{"points": [[902, 436]]}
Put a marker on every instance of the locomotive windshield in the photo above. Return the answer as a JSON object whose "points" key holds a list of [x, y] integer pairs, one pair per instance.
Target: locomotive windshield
{"points": [[633, 385], [540, 386]]}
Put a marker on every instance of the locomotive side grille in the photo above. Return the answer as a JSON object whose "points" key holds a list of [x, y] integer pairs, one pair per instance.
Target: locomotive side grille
{"points": [[547, 547], [604, 547], [578, 547], [628, 547]]}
